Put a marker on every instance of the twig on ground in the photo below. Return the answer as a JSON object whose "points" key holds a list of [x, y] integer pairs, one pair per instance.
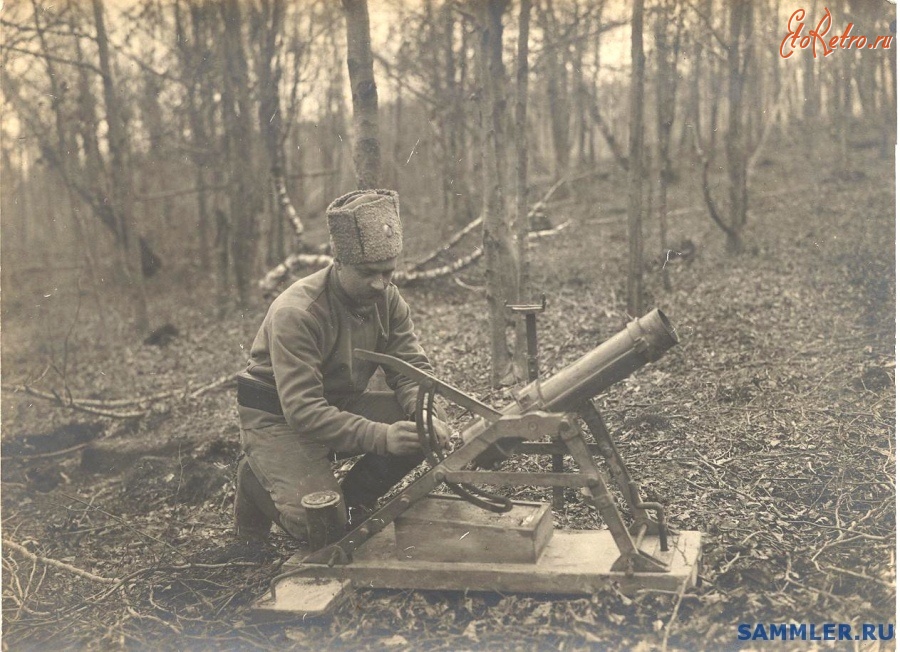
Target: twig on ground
{"points": [[827, 526], [844, 571], [821, 592], [64, 451], [58, 564], [667, 629], [162, 622]]}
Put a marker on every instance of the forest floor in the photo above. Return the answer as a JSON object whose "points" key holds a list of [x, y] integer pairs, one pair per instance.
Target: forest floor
{"points": [[770, 428]]}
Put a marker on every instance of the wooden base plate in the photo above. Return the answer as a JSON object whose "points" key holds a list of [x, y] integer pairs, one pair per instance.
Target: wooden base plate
{"points": [[573, 562]]}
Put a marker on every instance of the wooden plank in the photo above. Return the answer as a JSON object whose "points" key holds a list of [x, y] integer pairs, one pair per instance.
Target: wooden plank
{"points": [[442, 528], [573, 562]]}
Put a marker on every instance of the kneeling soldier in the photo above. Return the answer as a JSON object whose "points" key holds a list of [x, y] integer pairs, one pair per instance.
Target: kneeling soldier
{"points": [[303, 401]]}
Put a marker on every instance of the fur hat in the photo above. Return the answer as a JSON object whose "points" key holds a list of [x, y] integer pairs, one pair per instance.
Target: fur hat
{"points": [[365, 226]]}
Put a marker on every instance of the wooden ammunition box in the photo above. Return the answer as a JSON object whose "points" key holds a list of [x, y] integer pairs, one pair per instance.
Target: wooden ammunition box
{"points": [[448, 529]]}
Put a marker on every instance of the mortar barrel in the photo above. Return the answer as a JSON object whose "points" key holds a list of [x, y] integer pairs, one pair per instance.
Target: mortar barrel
{"points": [[642, 341]]}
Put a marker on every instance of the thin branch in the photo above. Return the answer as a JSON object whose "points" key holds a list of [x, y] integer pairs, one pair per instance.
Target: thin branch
{"points": [[706, 20], [608, 135], [668, 628], [772, 116], [50, 57], [844, 571], [28, 28], [57, 564], [107, 408]]}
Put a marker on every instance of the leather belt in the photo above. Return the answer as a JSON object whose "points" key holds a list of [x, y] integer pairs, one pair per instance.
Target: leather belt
{"points": [[256, 393]]}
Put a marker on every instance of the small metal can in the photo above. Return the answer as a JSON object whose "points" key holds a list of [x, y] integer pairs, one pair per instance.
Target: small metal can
{"points": [[323, 517]]}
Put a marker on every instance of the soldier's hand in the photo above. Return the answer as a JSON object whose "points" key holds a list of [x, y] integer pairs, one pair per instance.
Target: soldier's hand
{"points": [[402, 438], [442, 432]]}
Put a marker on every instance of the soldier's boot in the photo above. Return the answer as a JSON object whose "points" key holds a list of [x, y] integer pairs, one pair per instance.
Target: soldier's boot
{"points": [[254, 510]]}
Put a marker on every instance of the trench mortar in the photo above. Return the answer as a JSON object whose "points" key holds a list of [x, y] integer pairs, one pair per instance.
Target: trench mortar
{"points": [[647, 554]]}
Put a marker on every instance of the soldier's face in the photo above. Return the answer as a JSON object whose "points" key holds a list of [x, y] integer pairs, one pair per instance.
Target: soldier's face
{"points": [[366, 283]]}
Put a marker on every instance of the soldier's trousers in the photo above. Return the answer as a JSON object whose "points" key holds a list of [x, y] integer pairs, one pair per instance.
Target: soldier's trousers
{"points": [[280, 469]]}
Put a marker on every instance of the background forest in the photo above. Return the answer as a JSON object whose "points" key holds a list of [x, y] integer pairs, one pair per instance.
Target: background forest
{"points": [[165, 169]]}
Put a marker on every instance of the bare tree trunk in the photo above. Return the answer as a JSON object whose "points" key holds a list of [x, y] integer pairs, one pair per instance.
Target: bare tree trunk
{"points": [[522, 222], [692, 112], [891, 106], [269, 23], [244, 199], [367, 147], [454, 121], [557, 90], [500, 265], [636, 164], [812, 105], [199, 140], [736, 145], [121, 192], [330, 143], [667, 52], [398, 143], [87, 121]]}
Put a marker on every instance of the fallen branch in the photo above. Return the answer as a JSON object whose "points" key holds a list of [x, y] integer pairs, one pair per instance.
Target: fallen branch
{"points": [[21, 606], [478, 221], [57, 564], [599, 221], [409, 276], [293, 263], [218, 382], [296, 262], [466, 286], [459, 235], [71, 403], [107, 408], [535, 235]]}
